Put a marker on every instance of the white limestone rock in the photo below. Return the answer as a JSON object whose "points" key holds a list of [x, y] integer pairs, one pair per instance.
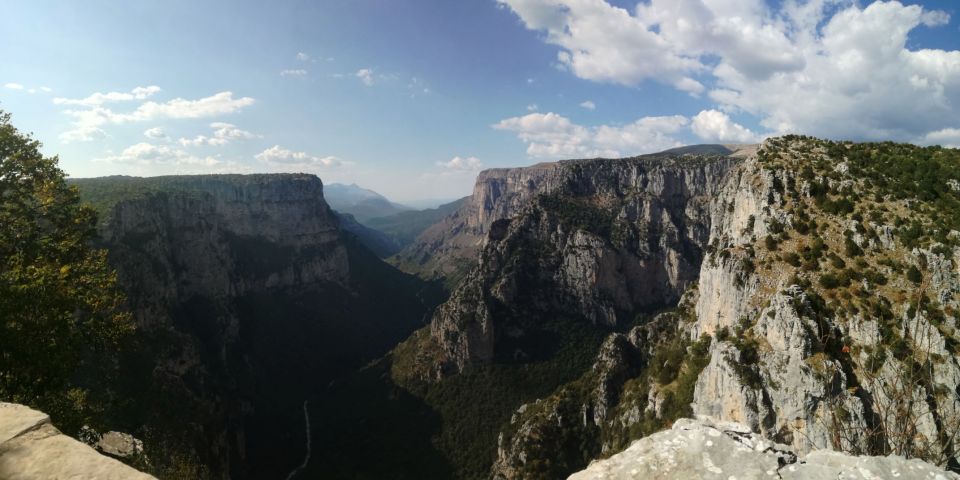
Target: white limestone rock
{"points": [[710, 450], [31, 448]]}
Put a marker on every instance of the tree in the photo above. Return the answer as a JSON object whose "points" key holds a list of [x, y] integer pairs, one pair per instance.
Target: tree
{"points": [[61, 316]]}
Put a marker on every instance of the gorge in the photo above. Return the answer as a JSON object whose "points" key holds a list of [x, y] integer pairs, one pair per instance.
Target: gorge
{"points": [[804, 289]]}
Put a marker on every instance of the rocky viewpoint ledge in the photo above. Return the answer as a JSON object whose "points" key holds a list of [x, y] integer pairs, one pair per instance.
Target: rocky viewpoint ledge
{"points": [[31, 448], [708, 449]]}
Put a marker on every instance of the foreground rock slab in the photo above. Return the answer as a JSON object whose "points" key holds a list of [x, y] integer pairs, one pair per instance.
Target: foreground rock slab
{"points": [[31, 448], [707, 449]]}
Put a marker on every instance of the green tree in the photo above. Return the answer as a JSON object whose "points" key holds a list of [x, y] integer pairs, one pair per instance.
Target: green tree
{"points": [[61, 316]]}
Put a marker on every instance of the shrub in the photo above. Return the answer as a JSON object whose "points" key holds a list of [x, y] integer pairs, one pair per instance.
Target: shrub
{"points": [[914, 274]]}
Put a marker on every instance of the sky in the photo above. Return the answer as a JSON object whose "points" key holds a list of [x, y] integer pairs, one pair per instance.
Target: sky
{"points": [[412, 98]]}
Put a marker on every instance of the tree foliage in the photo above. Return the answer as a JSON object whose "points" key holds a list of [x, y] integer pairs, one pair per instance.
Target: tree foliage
{"points": [[61, 317]]}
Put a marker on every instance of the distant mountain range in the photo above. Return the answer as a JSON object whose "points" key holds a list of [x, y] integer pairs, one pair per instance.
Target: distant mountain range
{"points": [[360, 202], [383, 226]]}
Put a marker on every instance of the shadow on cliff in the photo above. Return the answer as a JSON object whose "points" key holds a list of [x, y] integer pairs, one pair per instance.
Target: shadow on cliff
{"points": [[369, 428]]}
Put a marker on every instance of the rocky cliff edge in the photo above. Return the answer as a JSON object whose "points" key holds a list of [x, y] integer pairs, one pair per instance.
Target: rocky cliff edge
{"points": [[31, 448]]}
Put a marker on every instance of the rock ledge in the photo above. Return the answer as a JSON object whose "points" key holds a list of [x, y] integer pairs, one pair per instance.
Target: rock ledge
{"points": [[32, 448], [708, 449]]}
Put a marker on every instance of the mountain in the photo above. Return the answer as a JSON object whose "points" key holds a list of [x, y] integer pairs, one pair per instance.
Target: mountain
{"points": [[250, 299], [404, 227], [804, 288], [362, 203], [380, 243]]}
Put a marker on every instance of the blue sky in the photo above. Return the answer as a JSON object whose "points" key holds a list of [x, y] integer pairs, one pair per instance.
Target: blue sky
{"points": [[412, 98]]}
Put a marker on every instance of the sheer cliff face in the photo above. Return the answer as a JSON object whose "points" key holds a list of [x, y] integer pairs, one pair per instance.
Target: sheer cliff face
{"points": [[597, 240], [812, 319], [856, 368], [250, 299], [222, 237], [450, 247], [227, 237]]}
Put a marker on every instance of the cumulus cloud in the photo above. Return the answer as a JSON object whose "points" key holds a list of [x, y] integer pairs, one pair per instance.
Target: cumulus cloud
{"points": [[298, 73], [82, 134], [90, 120], [823, 67], [366, 76], [223, 134], [138, 93], [303, 57], [533, 107], [14, 86], [605, 43], [155, 133], [589, 105], [279, 157], [716, 126], [218, 104], [549, 135], [146, 154], [467, 164]]}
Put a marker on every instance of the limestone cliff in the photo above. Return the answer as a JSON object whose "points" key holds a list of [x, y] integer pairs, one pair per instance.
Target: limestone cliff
{"points": [[597, 240], [821, 312], [450, 247], [249, 298]]}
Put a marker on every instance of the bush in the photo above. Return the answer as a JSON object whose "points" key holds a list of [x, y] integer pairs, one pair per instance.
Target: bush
{"points": [[914, 274]]}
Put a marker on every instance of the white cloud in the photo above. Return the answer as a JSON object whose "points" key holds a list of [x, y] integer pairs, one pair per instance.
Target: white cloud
{"points": [[82, 134], [46, 89], [589, 105], [149, 155], [468, 164], [716, 126], [366, 76], [155, 133], [303, 57], [549, 135], [223, 134], [13, 86], [138, 93], [820, 67], [279, 157], [299, 73], [604, 43], [533, 107], [947, 137], [91, 119], [218, 104]]}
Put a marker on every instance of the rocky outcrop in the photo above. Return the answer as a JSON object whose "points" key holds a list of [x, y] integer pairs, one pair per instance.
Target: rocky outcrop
{"points": [[710, 449], [31, 448], [595, 240], [797, 360]]}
